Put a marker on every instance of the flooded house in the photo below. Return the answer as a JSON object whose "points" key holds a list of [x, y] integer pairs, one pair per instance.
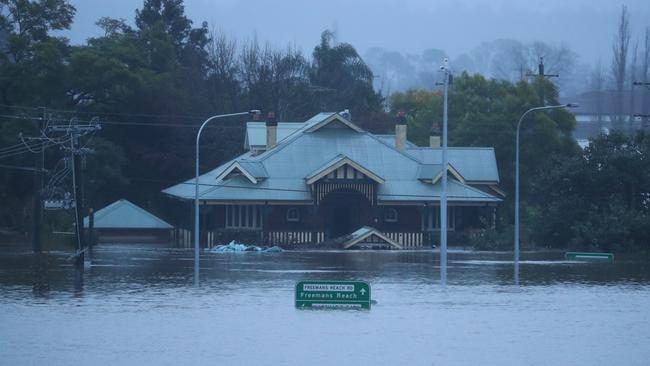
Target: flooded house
{"points": [[325, 178], [123, 222]]}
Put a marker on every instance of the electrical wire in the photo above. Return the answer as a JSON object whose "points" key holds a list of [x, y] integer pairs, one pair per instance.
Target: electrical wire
{"points": [[70, 111], [25, 150], [273, 189], [18, 147]]}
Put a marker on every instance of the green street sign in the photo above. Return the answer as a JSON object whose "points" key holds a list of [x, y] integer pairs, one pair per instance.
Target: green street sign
{"points": [[332, 294], [587, 256]]}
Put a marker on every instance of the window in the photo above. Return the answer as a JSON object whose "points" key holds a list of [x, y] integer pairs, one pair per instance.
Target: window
{"points": [[431, 218], [243, 217], [390, 215], [293, 215]]}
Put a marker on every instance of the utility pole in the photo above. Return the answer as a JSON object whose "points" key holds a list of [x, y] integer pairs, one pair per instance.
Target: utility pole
{"points": [[78, 197], [39, 163], [542, 75], [75, 131]]}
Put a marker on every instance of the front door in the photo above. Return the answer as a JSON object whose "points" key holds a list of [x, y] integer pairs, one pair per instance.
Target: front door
{"points": [[344, 211]]}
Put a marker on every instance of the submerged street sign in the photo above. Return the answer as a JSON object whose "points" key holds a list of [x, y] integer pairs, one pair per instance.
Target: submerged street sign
{"points": [[311, 294], [589, 256]]}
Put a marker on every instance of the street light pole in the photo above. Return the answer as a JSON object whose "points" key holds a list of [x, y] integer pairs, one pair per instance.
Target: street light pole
{"points": [[196, 188], [443, 193], [570, 105]]}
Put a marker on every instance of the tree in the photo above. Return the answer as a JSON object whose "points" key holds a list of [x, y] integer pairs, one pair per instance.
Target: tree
{"points": [[341, 79], [484, 112], [222, 74], [32, 66], [597, 86], [599, 199], [33, 72], [619, 58]]}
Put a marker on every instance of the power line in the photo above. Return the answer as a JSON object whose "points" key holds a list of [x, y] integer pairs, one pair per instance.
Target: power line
{"points": [[22, 168], [70, 111], [25, 150], [135, 123], [274, 189]]}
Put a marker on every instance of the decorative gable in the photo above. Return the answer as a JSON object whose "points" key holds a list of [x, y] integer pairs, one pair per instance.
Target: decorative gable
{"points": [[253, 171], [343, 168], [369, 238], [334, 121], [432, 173]]}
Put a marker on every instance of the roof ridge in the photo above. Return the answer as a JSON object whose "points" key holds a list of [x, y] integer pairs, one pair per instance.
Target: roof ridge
{"points": [[451, 148], [474, 189], [142, 210], [108, 209], [392, 147]]}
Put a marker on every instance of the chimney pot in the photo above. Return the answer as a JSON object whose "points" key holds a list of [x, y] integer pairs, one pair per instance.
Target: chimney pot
{"points": [[271, 130], [270, 119], [434, 135], [400, 131]]}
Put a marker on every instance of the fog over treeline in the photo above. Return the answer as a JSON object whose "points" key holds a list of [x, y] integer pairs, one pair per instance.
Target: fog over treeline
{"points": [[403, 42], [506, 59]]}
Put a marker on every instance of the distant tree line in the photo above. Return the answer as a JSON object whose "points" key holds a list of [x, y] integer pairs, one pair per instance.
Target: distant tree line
{"points": [[153, 84]]}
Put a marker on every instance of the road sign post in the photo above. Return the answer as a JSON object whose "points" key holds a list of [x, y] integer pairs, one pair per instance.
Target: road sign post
{"points": [[332, 294]]}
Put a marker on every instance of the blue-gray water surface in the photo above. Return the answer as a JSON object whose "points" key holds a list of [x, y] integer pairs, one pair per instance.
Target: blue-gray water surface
{"points": [[137, 306]]}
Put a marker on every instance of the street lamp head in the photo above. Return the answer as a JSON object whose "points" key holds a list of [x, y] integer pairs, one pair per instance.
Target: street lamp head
{"points": [[572, 105], [254, 112]]}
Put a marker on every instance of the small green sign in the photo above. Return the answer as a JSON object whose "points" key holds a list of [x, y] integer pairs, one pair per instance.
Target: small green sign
{"points": [[326, 294], [589, 256]]}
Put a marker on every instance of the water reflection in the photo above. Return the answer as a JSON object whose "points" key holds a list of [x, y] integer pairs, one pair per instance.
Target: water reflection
{"points": [[115, 268], [137, 305]]}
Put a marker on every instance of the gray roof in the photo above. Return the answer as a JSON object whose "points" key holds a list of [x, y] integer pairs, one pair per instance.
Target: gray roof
{"points": [[390, 139], [475, 164], [302, 153], [255, 168], [123, 214]]}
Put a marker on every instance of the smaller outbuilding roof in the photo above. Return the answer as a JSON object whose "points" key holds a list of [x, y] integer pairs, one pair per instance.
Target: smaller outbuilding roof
{"points": [[369, 238], [123, 214]]}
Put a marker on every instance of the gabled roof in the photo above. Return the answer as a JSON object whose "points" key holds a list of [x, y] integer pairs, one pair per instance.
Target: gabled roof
{"points": [[253, 170], [303, 156], [123, 214], [368, 236], [390, 140], [433, 172], [333, 119], [475, 164], [338, 162]]}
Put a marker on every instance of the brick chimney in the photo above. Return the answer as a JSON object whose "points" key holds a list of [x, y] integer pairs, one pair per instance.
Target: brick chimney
{"points": [[400, 131], [434, 135], [271, 131]]}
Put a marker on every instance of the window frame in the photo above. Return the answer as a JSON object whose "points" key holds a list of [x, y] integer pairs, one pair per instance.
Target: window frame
{"points": [[293, 214], [391, 218], [245, 217]]}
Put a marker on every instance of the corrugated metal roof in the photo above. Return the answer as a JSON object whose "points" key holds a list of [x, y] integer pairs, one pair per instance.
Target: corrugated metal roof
{"points": [[390, 139], [255, 168], [429, 171], [123, 214], [185, 190], [475, 164], [342, 159], [302, 153]]}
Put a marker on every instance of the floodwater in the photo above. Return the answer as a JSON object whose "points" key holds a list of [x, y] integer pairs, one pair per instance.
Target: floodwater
{"points": [[137, 306]]}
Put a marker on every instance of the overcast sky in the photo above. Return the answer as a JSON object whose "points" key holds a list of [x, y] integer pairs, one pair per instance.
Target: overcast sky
{"points": [[409, 26]]}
